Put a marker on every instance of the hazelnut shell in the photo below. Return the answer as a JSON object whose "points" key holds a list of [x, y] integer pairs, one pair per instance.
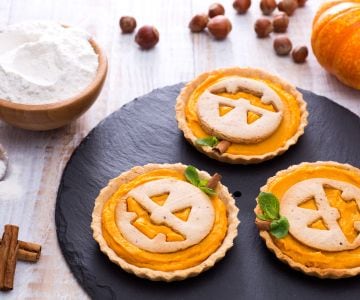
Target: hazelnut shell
{"points": [[267, 6], [241, 6], [281, 22], [127, 24], [147, 37], [198, 23], [216, 9], [282, 45], [299, 54], [288, 6], [219, 27], [263, 27]]}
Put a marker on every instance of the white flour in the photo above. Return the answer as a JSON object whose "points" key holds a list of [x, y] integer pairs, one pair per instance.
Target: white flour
{"points": [[10, 188], [3, 162], [43, 62], [2, 169]]}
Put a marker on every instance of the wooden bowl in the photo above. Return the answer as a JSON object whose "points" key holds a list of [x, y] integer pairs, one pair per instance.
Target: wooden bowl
{"points": [[58, 114]]}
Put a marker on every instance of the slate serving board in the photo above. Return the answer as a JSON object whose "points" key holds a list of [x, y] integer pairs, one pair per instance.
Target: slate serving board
{"points": [[144, 131]]}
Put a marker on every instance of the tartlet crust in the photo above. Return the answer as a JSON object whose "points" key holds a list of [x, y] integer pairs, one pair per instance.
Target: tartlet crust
{"points": [[331, 273], [151, 274], [227, 157]]}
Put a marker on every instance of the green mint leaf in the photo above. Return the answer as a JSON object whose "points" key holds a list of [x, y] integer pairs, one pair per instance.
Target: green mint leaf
{"points": [[279, 228], [270, 205], [210, 141], [262, 217], [207, 190], [192, 175], [203, 182]]}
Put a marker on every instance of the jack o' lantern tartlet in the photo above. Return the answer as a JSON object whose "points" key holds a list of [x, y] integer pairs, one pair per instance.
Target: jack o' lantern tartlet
{"points": [[165, 221], [241, 115], [314, 226]]}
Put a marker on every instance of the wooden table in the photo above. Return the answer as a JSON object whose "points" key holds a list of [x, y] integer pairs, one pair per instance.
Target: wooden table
{"points": [[37, 159]]}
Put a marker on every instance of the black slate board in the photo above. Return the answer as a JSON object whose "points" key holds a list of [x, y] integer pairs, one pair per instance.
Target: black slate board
{"points": [[144, 131]]}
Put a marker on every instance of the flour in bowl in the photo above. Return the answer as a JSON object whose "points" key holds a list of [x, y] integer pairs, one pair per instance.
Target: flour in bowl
{"points": [[43, 62]]}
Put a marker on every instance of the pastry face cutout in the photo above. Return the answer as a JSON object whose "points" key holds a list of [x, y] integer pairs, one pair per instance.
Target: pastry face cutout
{"points": [[181, 196], [300, 219], [234, 126]]}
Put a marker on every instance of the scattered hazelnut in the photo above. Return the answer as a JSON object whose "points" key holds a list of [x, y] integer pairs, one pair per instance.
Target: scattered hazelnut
{"points": [[216, 9], [288, 6], [241, 6], [300, 54], [267, 6], [127, 24], [198, 23], [219, 27], [282, 45], [280, 22], [263, 27], [301, 3], [147, 37]]}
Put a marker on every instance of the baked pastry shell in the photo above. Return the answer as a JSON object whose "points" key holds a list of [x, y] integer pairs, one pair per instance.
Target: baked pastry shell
{"points": [[156, 275], [190, 87], [330, 273]]}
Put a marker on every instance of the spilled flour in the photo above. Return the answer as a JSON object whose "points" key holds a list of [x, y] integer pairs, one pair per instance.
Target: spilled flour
{"points": [[10, 188], [2, 169]]}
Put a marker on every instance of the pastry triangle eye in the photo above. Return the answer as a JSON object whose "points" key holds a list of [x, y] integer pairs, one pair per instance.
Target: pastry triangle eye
{"points": [[160, 199], [183, 214], [309, 204], [252, 117], [224, 109], [318, 224]]}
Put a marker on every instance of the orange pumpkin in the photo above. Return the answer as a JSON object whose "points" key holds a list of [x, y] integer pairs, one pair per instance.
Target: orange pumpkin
{"points": [[336, 39]]}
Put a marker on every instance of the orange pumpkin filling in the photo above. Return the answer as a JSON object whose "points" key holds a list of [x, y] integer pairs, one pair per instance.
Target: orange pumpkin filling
{"points": [[349, 213], [179, 260], [288, 127]]}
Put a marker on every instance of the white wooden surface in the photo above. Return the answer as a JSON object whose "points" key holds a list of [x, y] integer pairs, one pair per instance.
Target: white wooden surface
{"points": [[38, 158]]}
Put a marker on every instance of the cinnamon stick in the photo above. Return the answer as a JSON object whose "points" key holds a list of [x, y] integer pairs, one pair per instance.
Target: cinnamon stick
{"points": [[28, 256], [222, 146], [29, 252], [213, 181], [32, 247], [8, 253], [262, 225]]}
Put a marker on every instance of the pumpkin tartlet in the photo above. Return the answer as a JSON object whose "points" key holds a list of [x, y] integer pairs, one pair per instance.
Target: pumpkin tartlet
{"points": [[154, 223], [241, 115], [321, 202]]}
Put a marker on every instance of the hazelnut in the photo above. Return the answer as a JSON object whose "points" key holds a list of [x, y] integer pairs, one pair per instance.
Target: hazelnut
{"points": [[219, 27], [263, 27], [300, 54], [198, 23], [127, 24], [280, 22], [267, 6], [147, 37], [288, 6], [216, 9], [301, 3], [241, 6], [282, 45]]}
